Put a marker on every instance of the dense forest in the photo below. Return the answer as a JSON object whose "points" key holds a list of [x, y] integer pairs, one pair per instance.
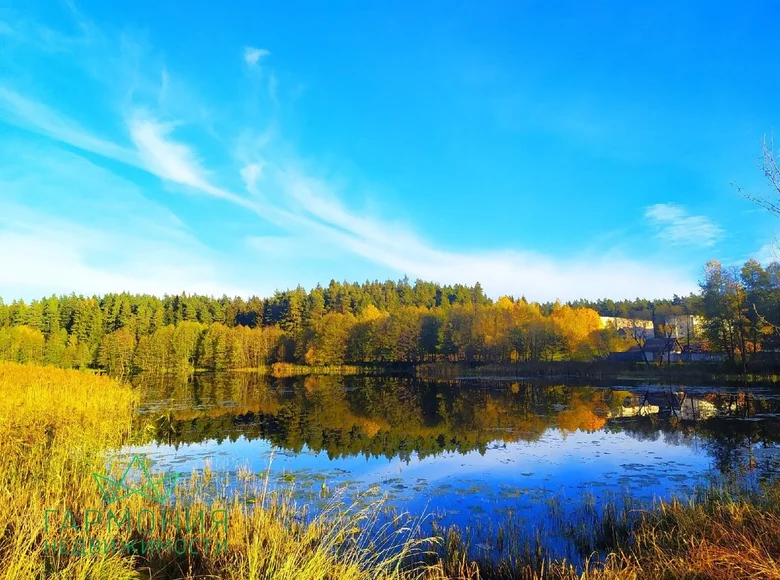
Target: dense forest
{"points": [[373, 322]]}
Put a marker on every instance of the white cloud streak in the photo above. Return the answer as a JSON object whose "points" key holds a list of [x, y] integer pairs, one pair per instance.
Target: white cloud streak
{"points": [[171, 160], [130, 244], [505, 272], [43, 255], [29, 114], [768, 253], [317, 211], [253, 55], [673, 224], [307, 207]]}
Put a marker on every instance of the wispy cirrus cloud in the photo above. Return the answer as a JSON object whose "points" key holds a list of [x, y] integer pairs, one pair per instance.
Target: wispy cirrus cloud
{"points": [[768, 253], [537, 276], [165, 157], [46, 254], [269, 181], [27, 113], [252, 55], [121, 239], [674, 224]]}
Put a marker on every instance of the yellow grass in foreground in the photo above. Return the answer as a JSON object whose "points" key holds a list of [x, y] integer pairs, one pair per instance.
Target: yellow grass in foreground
{"points": [[55, 427]]}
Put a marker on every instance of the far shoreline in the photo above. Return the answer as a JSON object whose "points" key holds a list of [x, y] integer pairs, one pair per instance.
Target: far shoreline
{"points": [[553, 370]]}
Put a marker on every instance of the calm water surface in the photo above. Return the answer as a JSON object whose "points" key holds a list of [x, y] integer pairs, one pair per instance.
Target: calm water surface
{"points": [[467, 452]]}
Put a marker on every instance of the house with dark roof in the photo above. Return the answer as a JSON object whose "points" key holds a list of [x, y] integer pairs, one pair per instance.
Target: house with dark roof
{"points": [[653, 349], [633, 354], [659, 348]]}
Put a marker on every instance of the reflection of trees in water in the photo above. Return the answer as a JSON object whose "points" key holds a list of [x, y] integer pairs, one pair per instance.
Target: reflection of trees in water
{"points": [[380, 416], [727, 426]]}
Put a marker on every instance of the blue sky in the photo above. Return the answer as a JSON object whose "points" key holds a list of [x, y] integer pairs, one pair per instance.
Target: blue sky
{"points": [[553, 151]]}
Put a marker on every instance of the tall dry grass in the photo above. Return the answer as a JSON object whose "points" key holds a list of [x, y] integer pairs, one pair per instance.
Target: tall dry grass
{"points": [[56, 427], [719, 535]]}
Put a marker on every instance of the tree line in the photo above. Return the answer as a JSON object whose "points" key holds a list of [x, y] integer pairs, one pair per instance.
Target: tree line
{"points": [[373, 322], [741, 306]]}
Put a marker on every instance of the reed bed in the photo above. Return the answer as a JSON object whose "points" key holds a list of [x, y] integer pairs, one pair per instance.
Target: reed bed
{"points": [[720, 534], [56, 428]]}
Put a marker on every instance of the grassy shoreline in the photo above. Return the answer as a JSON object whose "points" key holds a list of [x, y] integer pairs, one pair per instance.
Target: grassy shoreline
{"points": [[57, 427]]}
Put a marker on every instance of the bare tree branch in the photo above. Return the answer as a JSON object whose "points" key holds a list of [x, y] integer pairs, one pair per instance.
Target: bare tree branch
{"points": [[763, 319], [770, 167]]}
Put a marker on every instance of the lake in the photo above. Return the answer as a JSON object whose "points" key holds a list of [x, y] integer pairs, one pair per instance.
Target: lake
{"points": [[472, 452]]}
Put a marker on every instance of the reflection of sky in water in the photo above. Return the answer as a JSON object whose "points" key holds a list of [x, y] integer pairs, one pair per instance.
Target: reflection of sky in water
{"points": [[577, 461], [463, 488]]}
